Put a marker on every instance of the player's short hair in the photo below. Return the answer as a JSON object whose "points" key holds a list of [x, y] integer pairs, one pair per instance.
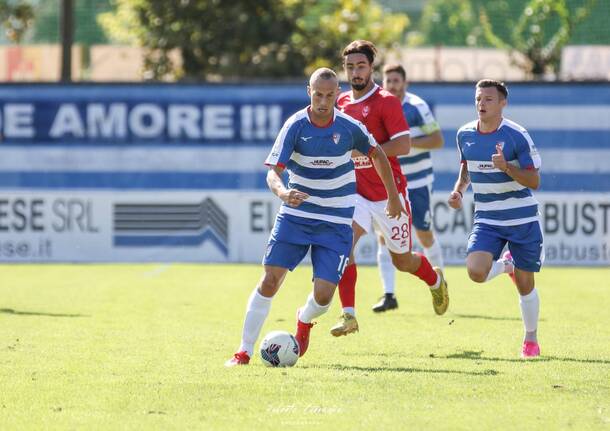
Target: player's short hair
{"points": [[500, 86], [361, 47], [395, 68], [322, 73]]}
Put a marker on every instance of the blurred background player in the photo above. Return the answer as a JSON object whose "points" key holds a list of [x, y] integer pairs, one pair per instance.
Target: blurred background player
{"points": [[417, 166], [382, 115], [315, 145], [500, 160]]}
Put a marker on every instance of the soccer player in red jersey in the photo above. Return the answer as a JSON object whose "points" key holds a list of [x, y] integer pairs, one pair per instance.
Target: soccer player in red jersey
{"points": [[382, 114]]}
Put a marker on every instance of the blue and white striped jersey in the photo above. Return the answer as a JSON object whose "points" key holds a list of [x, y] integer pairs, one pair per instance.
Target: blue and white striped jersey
{"points": [[417, 166], [499, 200], [319, 163]]}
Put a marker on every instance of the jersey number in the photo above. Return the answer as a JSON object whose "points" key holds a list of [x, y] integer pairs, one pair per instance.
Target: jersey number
{"points": [[342, 264], [400, 232]]}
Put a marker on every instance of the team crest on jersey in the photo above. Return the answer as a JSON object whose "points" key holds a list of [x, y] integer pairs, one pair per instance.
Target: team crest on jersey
{"points": [[501, 144], [336, 137], [365, 111]]}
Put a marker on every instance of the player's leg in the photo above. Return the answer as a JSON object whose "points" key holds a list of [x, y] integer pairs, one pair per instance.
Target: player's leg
{"points": [[397, 235], [485, 245], [363, 223], [347, 284], [328, 267], [279, 258], [418, 265], [527, 250], [387, 272], [347, 291], [529, 302], [318, 302], [421, 210], [257, 309]]}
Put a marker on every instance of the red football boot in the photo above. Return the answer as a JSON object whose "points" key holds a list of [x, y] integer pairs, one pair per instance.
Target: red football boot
{"points": [[302, 335], [240, 358]]}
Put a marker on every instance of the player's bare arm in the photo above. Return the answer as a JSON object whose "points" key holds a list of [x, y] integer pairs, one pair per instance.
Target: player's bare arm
{"points": [[384, 170], [399, 146], [291, 197], [433, 141], [460, 187], [526, 177]]}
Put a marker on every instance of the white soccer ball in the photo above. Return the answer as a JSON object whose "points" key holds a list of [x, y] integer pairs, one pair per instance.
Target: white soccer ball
{"points": [[279, 349]]}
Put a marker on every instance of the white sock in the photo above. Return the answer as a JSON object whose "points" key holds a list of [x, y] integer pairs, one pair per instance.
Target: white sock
{"points": [[350, 310], [386, 268], [256, 312], [497, 267], [435, 254], [312, 309], [530, 307]]}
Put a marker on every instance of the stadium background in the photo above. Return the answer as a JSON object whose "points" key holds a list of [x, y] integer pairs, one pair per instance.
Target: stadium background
{"points": [[167, 164]]}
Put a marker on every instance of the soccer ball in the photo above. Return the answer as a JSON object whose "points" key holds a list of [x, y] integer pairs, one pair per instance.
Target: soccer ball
{"points": [[279, 349]]}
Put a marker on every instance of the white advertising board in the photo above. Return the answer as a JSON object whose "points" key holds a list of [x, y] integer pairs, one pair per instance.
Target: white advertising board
{"points": [[233, 226]]}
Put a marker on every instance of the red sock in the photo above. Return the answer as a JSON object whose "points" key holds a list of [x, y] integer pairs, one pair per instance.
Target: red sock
{"points": [[347, 286], [425, 271]]}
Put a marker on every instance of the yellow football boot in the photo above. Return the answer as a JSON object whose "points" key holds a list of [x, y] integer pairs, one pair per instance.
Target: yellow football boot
{"points": [[346, 325]]}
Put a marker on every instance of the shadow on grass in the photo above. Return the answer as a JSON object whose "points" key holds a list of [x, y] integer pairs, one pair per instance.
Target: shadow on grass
{"points": [[407, 370], [36, 313], [478, 356], [479, 316]]}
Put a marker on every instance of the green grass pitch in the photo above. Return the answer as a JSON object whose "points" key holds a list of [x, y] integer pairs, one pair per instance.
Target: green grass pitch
{"points": [[142, 347]]}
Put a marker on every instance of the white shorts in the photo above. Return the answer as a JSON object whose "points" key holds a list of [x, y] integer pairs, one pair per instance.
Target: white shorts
{"points": [[396, 232]]}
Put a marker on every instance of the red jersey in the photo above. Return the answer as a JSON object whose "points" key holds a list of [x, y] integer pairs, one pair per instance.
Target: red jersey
{"points": [[382, 115]]}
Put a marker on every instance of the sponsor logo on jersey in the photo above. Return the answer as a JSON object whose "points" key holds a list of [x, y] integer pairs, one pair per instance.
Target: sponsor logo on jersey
{"points": [[361, 162], [486, 166], [322, 162]]}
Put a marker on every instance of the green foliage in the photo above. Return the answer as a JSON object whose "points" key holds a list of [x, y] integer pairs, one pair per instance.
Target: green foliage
{"points": [[537, 29], [86, 29], [539, 34], [141, 347], [15, 17], [326, 27], [242, 38], [448, 22]]}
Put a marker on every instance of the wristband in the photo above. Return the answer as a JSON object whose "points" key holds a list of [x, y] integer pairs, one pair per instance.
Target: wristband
{"points": [[461, 194]]}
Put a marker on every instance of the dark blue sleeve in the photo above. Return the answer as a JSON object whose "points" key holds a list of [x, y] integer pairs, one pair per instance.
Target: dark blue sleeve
{"points": [[363, 140], [283, 147]]}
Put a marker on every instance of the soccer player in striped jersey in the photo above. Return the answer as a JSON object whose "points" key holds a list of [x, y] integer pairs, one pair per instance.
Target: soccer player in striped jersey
{"points": [[315, 145], [499, 159], [382, 115], [417, 166]]}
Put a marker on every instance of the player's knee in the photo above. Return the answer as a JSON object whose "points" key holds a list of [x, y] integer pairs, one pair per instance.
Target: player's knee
{"points": [[477, 275], [269, 284], [323, 298], [405, 262]]}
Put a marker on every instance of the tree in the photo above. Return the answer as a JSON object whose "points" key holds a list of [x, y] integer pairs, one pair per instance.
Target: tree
{"points": [[536, 29], [540, 33], [448, 22], [86, 30], [242, 38], [16, 17]]}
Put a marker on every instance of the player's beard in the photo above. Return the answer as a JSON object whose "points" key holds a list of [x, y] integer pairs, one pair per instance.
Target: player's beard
{"points": [[360, 87]]}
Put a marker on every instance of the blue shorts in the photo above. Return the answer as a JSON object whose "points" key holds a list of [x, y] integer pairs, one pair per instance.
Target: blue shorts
{"points": [[524, 242], [292, 237], [420, 208]]}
